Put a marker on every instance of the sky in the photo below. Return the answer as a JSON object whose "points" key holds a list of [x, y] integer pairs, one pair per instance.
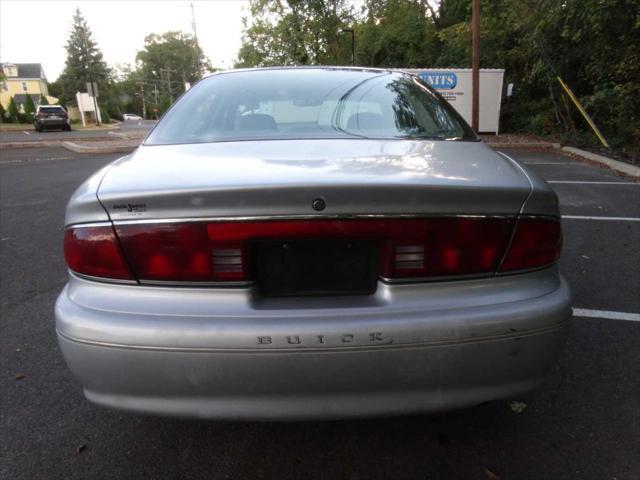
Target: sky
{"points": [[118, 27]]}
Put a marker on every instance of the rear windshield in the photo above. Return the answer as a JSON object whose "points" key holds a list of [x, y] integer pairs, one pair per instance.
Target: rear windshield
{"points": [[51, 109], [309, 103]]}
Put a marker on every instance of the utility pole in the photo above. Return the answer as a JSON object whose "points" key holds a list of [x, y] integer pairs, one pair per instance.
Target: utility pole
{"points": [[155, 100], [144, 103], [353, 44], [475, 64], [198, 65], [168, 70]]}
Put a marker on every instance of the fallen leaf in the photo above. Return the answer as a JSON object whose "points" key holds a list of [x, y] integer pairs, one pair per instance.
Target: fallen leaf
{"points": [[490, 475], [517, 407], [80, 449], [20, 376], [585, 256]]}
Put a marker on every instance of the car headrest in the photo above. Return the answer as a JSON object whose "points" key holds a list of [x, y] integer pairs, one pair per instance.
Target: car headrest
{"points": [[257, 122]]}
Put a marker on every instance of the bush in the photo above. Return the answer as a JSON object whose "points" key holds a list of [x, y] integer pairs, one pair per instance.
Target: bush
{"points": [[43, 100], [104, 115], [2, 114], [12, 112], [29, 109]]}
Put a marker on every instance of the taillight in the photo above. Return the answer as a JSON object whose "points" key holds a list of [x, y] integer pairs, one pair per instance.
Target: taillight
{"points": [[408, 248], [536, 242], [94, 251]]}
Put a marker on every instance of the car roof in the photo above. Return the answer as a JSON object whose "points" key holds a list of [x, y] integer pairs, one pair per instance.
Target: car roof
{"points": [[309, 67]]}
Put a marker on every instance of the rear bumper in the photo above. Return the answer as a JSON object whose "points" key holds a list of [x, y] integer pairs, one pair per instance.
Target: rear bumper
{"points": [[57, 123], [219, 353]]}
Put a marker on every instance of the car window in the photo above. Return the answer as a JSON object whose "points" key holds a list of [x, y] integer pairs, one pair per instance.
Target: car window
{"points": [[309, 103], [52, 109]]}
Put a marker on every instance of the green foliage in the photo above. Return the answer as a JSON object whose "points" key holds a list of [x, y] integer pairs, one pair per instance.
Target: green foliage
{"points": [[2, 113], [43, 100], [395, 33], [13, 116], [29, 108], [104, 115], [295, 32]]}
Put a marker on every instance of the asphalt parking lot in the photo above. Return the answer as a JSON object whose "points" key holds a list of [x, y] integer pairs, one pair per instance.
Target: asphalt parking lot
{"points": [[583, 424]]}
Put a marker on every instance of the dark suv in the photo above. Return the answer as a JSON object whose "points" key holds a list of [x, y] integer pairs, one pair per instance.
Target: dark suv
{"points": [[51, 116]]}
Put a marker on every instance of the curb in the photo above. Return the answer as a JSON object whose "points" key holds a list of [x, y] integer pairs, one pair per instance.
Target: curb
{"points": [[621, 167], [542, 145], [33, 144], [121, 148]]}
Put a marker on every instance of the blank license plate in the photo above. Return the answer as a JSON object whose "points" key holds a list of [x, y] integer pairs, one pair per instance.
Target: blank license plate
{"points": [[317, 267]]}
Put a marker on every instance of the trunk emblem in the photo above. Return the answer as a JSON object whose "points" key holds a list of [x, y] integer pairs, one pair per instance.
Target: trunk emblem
{"points": [[318, 204]]}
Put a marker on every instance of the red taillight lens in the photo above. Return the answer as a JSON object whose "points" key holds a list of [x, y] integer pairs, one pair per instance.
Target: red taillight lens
{"points": [[95, 251], [536, 242], [408, 248], [182, 252], [444, 247]]}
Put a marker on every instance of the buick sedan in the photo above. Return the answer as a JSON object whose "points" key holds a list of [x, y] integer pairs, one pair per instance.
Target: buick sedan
{"points": [[295, 243]]}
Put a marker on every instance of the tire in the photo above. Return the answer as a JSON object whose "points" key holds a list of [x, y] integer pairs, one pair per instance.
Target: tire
{"points": [[67, 128]]}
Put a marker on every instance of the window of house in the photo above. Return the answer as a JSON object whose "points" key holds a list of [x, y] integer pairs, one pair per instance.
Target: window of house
{"points": [[24, 86], [5, 87], [10, 70]]}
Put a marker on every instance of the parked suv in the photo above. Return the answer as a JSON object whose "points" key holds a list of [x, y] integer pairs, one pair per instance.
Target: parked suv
{"points": [[51, 116]]}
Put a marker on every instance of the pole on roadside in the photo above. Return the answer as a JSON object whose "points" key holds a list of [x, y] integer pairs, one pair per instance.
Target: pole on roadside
{"points": [[475, 64], [168, 70], [353, 44], [155, 100], [144, 103]]}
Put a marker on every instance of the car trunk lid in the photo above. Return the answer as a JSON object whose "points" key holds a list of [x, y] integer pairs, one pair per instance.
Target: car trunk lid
{"points": [[283, 178]]}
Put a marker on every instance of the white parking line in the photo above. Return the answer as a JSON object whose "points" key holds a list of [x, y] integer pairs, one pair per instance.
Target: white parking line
{"points": [[31, 160], [593, 183], [583, 312], [620, 219]]}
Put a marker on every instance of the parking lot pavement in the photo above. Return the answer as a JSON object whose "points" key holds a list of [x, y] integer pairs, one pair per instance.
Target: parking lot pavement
{"points": [[583, 424]]}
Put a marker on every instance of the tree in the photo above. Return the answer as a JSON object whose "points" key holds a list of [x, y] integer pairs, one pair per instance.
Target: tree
{"points": [[294, 32], [168, 61], [43, 100], [29, 108], [396, 33], [2, 114], [84, 62], [13, 116]]}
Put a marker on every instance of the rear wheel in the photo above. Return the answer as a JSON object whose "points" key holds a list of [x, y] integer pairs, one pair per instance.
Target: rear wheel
{"points": [[67, 128], [38, 128]]}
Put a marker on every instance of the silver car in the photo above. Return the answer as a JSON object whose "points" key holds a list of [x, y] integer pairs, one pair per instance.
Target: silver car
{"points": [[311, 243]]}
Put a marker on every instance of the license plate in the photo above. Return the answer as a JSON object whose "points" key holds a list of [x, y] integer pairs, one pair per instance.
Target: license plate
{"points": [[317, 267]]}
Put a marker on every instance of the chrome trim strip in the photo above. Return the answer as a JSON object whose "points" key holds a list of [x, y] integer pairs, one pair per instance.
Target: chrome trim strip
{"points": [[407, 280], [170, 283], [116, 281], [354, 216], [89, 225]]}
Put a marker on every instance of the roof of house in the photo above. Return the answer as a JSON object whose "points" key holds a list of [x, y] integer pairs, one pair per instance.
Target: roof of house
{"points": [[27, 70]]}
